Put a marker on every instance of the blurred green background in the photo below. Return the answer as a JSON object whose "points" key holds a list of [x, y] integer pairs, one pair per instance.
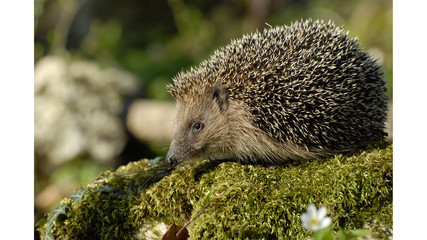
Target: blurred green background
{"points": [[148, 42]]}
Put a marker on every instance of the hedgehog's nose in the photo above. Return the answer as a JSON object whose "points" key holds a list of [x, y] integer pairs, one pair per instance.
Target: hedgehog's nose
{"points": [[170, 160]]}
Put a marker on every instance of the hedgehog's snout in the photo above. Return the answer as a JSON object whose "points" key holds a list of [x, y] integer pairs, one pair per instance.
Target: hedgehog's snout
{"points": [[171, 160], [171, 157]]}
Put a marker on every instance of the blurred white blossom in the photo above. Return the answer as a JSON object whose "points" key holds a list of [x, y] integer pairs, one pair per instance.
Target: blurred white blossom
{"points": [[315, 219]]}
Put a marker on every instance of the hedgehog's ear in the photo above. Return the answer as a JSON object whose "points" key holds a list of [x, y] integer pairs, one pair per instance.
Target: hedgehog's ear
{"points": [[221, 97]]}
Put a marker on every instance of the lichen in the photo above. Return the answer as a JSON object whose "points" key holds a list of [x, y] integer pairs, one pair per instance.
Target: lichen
{"points": [[236, 200]]}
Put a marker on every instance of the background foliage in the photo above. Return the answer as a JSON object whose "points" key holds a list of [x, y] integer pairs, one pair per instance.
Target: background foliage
{"points": [[157, 39]]}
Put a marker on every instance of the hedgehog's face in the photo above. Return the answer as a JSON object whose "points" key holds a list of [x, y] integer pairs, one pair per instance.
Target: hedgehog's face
{"points": [[200, 127]]}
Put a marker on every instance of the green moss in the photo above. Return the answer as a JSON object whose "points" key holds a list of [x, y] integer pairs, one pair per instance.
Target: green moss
{"points": [[103, 212], [244, 202]]}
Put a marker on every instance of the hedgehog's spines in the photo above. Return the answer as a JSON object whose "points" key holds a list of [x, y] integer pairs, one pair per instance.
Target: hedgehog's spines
{"points": [[307, 84]]}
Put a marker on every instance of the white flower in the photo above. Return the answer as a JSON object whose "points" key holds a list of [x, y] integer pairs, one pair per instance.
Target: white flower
{"points": [[315, 219]]}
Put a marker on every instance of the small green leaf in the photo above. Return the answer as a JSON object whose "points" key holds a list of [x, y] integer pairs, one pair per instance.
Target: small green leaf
{"points": [[323, 234], [155, 161], [341, 235], [55, 213], [360, 233], [327, 236], [106, 188], [49, 237], [77, 196]]}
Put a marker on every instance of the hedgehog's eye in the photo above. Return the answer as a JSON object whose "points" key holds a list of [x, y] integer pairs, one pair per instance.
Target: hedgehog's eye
{"points": [[197, 126]]}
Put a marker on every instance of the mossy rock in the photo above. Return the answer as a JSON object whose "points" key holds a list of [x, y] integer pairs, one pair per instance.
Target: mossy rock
{"points": [[234, 201]]}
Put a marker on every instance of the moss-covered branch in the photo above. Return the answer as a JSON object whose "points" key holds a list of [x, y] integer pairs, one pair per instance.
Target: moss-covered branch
{"points": [[245, 201]]}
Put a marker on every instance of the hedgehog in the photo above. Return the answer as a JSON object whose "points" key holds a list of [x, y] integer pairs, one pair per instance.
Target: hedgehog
{"points": [[302, 91]]}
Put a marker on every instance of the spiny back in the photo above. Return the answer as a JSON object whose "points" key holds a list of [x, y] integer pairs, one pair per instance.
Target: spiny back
{"points": [[308, 84]]}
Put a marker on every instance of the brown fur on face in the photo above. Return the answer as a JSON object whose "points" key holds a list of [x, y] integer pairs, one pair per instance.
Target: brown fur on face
{"points": [[209, 109]]}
